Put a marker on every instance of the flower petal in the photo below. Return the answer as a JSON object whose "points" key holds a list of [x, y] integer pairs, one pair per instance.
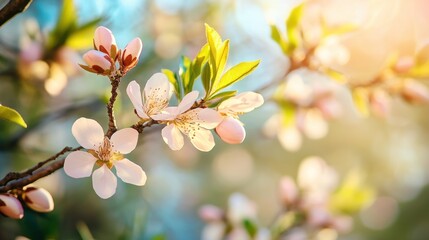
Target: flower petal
{"points": [[242, 103], [207, 118], [88, 133], [124, 140], [96, 58], [130, 172], [202, 139], [11, 207], [156, 94], [79, 164], [187, 101], [104, 182], [104, 39], [135, 95], [169, 113], [231, 131], [173, 137]]}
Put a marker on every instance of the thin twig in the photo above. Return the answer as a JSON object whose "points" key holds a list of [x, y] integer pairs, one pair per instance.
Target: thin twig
{"points": [[115, 80], [12, 8]]}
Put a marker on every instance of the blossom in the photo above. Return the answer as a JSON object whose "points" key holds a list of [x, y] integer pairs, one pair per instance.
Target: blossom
{"points": [[130, 55], [97, 62], [104, 152], [231, 130], [156, 95], [38, 199], [10, 206], [194, 123], [104, 41]]}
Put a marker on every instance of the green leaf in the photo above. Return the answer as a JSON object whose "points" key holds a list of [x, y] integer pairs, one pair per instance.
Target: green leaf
{"points": [[184, 72], [292, 27], [220, 97], [66, 23], [82, 37], [12, 115], [236, 73], [277, 37], [206, 78], [173, 80], [221, 59], [360, 98], [250, 227], [215, 42]]}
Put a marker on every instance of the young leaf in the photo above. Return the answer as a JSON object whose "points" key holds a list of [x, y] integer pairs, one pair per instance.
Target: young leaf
{"points": [[215, 42], [220, 97], [236, 73], [250, 227], [206, 78], [221, 59], [12, 115], [277, 37], [360, 98], [184, 72], [173, 80], [292, 27], [82, 37]]}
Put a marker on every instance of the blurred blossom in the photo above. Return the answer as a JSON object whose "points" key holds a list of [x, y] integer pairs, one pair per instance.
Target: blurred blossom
{"points": [[233, 166], [381, 213], [332, 53], [415, 91], [327, 234], [240, 208]]}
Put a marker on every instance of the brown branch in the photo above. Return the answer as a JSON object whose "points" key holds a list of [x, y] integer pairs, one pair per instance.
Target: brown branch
{"points": [[114, 80], [12, 8]]}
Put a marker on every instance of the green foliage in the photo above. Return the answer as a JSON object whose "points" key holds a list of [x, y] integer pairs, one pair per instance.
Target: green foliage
{"points": [[250, 227], [12, 115], [209, 65], [292, 27], [352, 195], [277, 36], [68, 31]]}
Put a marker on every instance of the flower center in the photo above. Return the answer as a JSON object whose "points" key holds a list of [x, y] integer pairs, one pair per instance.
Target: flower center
{"points": [[105, 154]]}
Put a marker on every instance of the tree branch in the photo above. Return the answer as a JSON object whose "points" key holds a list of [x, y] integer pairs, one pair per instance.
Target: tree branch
{"points": [[12, 8], [115, 80]]}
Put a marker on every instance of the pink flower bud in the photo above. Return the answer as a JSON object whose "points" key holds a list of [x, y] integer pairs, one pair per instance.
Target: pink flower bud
{"points": [[343, 224], [11, 207], [404, 64], [415, 92], [288, 190], [38, 199], [104, 41], [131, 54], [231, 131], [210, 213], [98, 62]]}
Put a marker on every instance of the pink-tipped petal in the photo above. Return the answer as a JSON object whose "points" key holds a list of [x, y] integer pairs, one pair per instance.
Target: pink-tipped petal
{"points": [[242, 103], [11, 207], [135, 95], [288, 190], [104, 39], [172, 137], [79, 164], [231, 131], [124, 140], [202, 139], [97, 60], [130, 172], [38, 199], [132, 52], [187, 101], [104, 182], [88, 133]]}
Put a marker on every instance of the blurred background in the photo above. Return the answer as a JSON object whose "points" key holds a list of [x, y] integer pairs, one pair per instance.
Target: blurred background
{"points": [[40, 78]]}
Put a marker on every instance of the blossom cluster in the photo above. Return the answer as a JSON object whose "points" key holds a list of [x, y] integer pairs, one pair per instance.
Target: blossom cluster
{"points": [[191, 117]]}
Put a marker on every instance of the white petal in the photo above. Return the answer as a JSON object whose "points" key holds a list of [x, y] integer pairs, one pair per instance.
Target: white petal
{"points": [[242, 103], [207, 118], [88, 133], [130, 172], [173, 137], [104, 182], [79, 164], [187, 101], [290, 138], [169, 113], [135, 95], [202, 139], [124, 140], [315, 126], [157, 92]]}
